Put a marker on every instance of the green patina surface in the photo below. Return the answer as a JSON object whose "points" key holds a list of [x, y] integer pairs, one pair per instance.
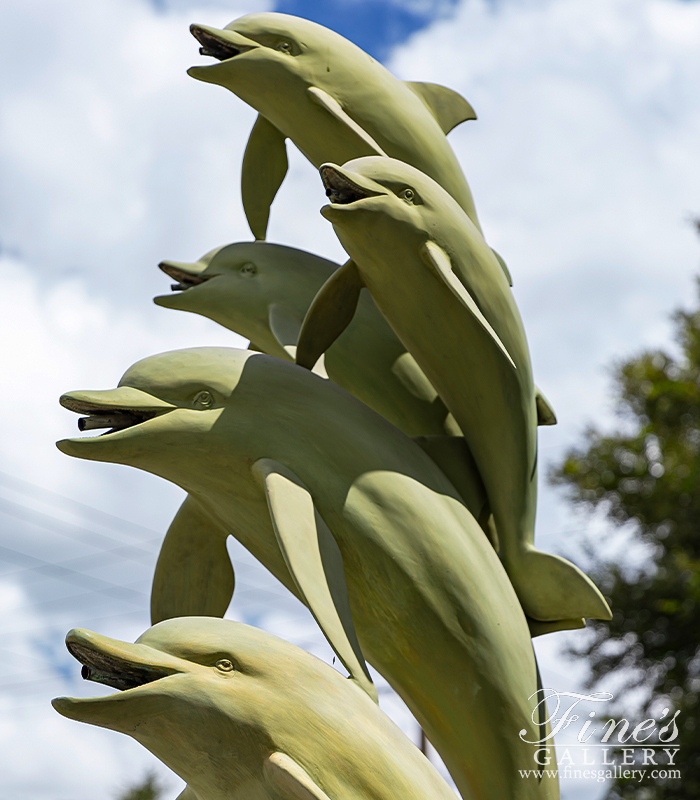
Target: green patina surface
{"points": [[446, 296], [196, 690], [303, 474], [313, 86]]}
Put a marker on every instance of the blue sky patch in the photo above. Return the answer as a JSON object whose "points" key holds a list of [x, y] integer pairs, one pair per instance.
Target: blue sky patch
{"points": [[375, 25]]}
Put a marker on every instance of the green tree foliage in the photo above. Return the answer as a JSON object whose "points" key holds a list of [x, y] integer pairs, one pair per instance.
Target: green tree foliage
{"points": [[647, 475], [148, 789]]}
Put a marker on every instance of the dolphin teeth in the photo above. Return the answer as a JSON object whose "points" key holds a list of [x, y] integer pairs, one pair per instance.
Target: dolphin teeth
{"points": [[341, 190], [116, 420], [214, 47], [219, 54], [185, 280], [113, 671]]}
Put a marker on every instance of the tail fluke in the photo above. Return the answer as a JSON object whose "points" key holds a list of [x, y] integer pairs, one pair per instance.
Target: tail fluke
{"points": [[552, 589]]}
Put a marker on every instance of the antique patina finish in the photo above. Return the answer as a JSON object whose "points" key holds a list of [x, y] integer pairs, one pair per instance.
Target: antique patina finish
{"points": [[335, 102], [338, 504], [447, 298], [238, 714], [262, 291]]}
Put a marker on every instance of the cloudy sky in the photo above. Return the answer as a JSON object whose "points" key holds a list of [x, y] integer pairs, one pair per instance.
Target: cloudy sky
{"points": [[585, 171]]}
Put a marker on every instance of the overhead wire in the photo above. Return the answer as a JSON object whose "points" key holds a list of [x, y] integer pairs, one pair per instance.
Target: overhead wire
{"points": [[57, 525], [108, 547], [26, 487]]}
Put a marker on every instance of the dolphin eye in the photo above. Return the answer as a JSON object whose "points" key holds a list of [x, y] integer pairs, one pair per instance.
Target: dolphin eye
{"points": [[224, 665], [408, 195], [249, 268], [284, 47], [204, 399]]}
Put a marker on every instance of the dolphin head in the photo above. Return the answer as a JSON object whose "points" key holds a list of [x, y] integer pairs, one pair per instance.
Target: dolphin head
{"points": [[209, 697], [156, 417], [378, 201], [235, 285], [263, 55]]}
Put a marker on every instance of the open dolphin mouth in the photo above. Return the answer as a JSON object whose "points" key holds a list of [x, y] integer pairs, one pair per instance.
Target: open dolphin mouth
{"points": [[185, 279], [112, 670], [99, 417], [340, 190], [130, 668], [216, 46]]}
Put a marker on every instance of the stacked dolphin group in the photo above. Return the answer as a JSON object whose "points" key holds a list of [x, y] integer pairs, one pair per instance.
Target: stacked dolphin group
{"points": [[375, 449]]}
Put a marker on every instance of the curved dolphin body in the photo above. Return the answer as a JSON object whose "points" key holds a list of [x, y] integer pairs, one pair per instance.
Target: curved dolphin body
{"points": [[445, 295], [335, 102], [357, 522], [262, 291], [238, 713]]}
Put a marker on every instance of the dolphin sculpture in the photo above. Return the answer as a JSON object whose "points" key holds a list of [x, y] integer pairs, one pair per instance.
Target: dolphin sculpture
{"points": [[356, 521], [445, 295], [238, 713], [262, 292], [334, 101]]}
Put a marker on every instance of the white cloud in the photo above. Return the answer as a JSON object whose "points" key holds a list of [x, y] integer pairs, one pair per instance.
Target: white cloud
{"points": [[584, 168]]}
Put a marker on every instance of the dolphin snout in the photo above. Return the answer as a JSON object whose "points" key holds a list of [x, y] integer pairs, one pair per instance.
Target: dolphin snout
{"points": [[186, 275], [220, 44], [342, 190]]}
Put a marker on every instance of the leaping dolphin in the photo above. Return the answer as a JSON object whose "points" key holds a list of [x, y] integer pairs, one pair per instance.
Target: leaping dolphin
{"points": [[262, 292], [445, 295], [333, 100], [238, 714], [356, 521]]}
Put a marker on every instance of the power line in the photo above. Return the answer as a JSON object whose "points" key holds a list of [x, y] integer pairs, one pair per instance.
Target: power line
{"points": [[26, 487], [58, 572], [56, 525]]}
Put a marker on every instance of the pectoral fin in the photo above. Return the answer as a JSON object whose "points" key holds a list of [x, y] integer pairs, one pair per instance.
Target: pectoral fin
{"points": [[545, 412], [264, 167], [334, 108], [289, 780], [315, 563], [552, 589], [329, 314], [448, 107], [193, 575], [437, 259]]}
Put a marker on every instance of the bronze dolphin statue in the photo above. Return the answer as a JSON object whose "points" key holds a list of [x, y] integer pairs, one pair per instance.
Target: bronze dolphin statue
{"points": [[356, 521]]}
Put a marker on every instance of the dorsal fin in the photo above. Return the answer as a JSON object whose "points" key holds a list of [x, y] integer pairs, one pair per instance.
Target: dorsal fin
{"points": [[447, 106]]}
